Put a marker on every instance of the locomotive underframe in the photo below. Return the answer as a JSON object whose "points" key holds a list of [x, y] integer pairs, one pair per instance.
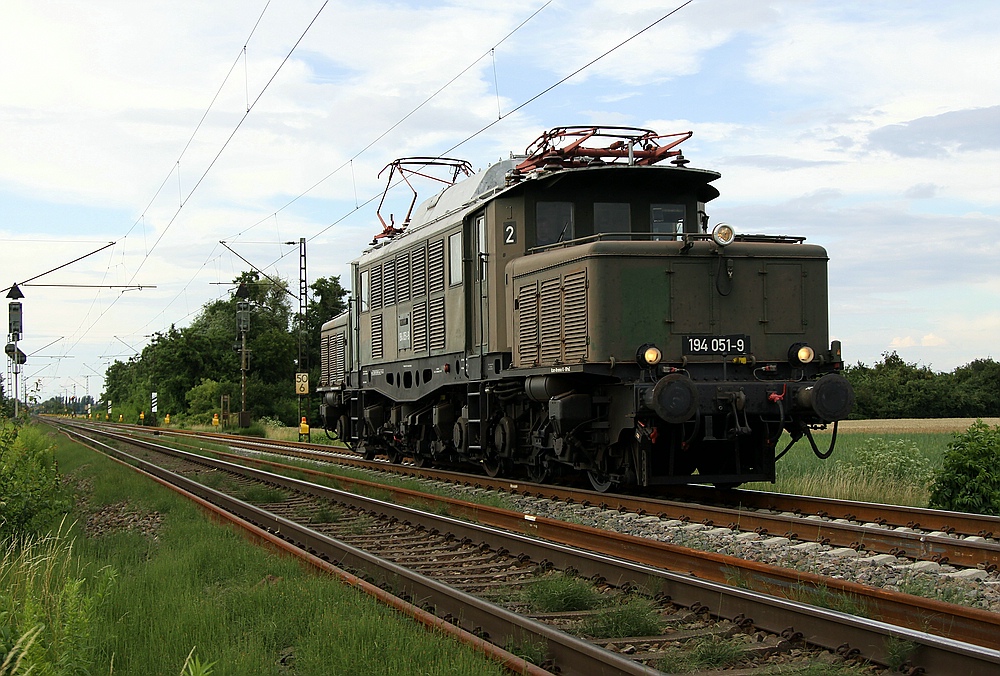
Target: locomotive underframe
{"points": [[545, 423]]}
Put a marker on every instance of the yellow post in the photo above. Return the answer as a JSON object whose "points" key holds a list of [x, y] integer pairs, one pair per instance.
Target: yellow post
{"points": [[215, 420], [303, 429], [166, 421], [121, 417]]}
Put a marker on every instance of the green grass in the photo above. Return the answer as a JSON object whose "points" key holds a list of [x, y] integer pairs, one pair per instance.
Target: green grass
{"points": [[637, 617], [854, 471], [200, 587], [702, 654], [822, 597], [558, 592]]}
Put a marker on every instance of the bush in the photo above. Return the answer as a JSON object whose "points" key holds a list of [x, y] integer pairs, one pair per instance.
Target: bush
{"points": [[271, 423], [969, 481], [892, 461], [254, 430], [30, 495]]}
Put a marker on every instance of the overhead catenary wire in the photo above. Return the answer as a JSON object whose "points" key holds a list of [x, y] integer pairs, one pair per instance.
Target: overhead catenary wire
{"points": [[176, 165], [210, 165], [358, 206], [400, 121]]}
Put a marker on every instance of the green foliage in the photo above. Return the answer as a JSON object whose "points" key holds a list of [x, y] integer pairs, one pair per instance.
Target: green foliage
{"points": [[893, 388], [560, 593], [969, 480], [190, 368], [532, 651], [271, 423], [891, 461], [30, 495], [254, 430], [193, 666]]}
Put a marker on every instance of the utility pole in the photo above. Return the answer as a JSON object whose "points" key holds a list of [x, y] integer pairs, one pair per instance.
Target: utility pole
{"points": [[302, 372], [243, 325]]}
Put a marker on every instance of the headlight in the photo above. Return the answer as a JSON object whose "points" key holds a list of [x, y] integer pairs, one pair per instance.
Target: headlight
{"points": [[648, 355], [723, 234], [801, 354]]}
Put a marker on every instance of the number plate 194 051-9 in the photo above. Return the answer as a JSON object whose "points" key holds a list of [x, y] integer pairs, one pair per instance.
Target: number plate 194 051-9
{"points": [[712, 345]]}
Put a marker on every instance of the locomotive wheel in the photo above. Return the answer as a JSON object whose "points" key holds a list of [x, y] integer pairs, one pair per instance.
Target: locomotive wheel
{"points": [[601, 482], [538, 473], [495, 466], [341, 429], [395, 456], [422, 460], [368, 452]]}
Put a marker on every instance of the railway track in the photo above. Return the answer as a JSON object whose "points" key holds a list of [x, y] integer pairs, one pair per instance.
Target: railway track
{"points": [[907, 533], [778, 616]]}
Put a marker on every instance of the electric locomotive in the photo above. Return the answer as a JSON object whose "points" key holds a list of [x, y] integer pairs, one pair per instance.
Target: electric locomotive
{"points": [[570, 311]]}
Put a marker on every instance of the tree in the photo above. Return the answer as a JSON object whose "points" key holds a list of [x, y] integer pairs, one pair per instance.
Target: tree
{"points": [[894, 388], [179, 360]]}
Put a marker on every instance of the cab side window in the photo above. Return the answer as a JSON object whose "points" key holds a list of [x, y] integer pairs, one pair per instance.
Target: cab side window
{"points": [[455, 259]]}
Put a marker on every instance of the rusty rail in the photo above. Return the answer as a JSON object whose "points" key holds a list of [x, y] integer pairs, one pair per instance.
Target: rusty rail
{"points": [[907, 614]]}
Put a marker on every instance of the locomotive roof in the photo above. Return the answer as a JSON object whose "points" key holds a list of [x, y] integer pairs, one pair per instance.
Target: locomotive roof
{"points": [[444, 209]]}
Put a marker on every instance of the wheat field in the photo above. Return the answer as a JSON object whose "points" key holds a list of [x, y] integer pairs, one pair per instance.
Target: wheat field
{"points": [[911, 425]]}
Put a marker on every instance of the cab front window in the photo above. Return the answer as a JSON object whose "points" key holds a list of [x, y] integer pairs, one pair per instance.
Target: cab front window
{"points": [[612, 217], [666, 220], [553, 222]]}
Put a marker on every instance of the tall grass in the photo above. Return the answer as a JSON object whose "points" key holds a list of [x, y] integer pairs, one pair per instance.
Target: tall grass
{"points": [[893, 468], [47, 608], [244, 610]]}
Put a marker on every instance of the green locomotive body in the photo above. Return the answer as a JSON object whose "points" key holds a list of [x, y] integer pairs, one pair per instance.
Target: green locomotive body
{"points": [[569, 312]]}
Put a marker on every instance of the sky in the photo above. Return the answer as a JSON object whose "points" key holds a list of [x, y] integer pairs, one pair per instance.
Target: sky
{"points": [[871, 128]]}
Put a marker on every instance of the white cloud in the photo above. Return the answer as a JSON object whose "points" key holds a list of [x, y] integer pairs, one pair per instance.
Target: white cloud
{"points": [[808, 109]]}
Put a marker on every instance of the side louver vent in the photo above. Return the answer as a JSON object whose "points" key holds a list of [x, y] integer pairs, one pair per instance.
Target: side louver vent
{"points": [[435, 323], [418, 266], [527, 325], [403, 278], [388, 284], [435, 265], [549, 320], [325, 357], [338, 362], [575, 317], [419, 327], [377, 352], [552, 322]]}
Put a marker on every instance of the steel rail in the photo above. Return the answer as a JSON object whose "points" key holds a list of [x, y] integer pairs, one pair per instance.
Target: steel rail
{"points": [[569, 654], [903, 616], [915, 545], [983, 525]]}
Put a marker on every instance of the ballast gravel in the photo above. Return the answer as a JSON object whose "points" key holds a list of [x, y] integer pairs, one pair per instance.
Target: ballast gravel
{"points": [[966, 586]]}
